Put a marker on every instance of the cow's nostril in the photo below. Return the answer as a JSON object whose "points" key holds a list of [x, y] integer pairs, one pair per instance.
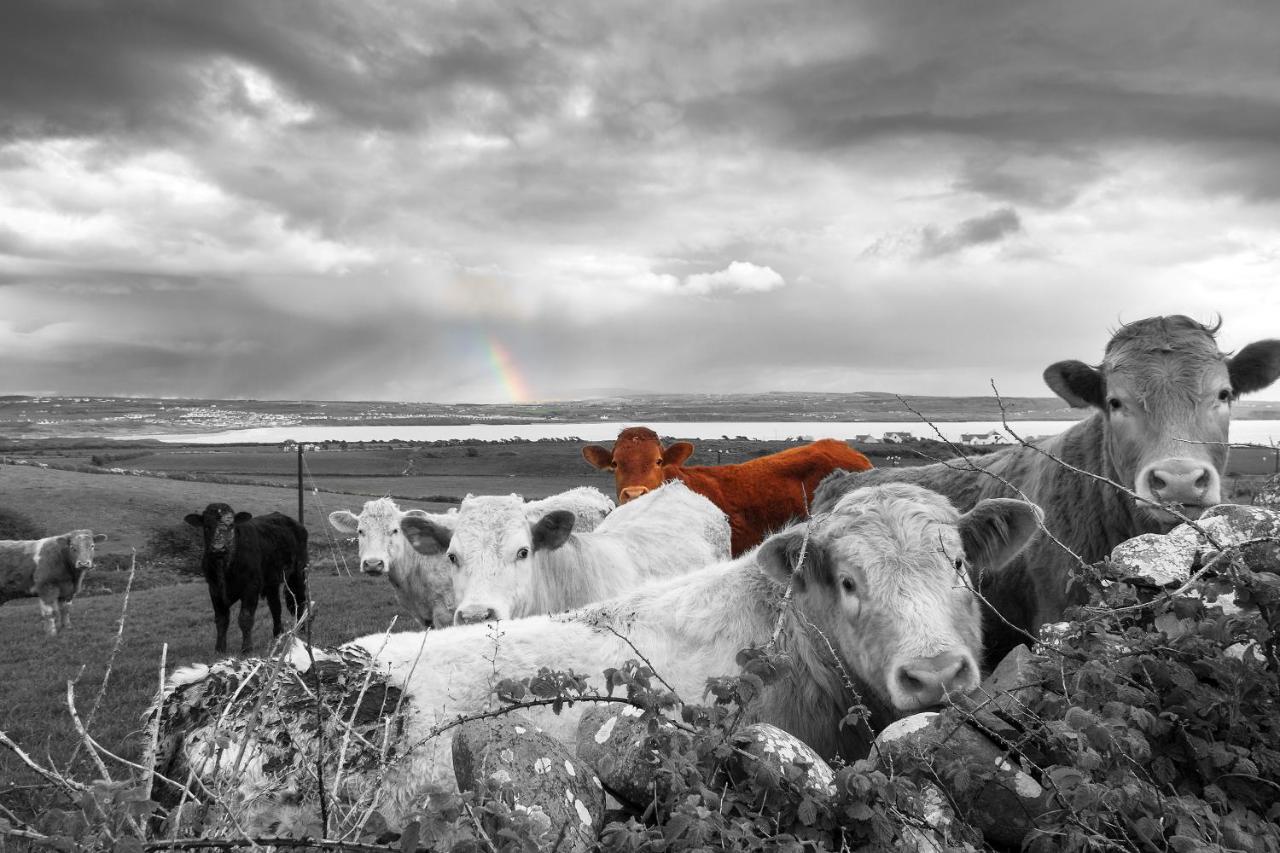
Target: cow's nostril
{"points": [[1157, 482], [1202, 482]]}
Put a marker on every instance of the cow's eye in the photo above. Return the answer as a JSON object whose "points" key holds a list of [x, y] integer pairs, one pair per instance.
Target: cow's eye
{"points": [[453, 558], [1224, 395], [522, 553], [959, 564], [658, 464], [847, 585], [1115, 404], [359, 532]]}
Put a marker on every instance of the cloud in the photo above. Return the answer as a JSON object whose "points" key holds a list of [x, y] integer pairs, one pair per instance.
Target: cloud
{"points": [[350, 200], [738, 277], [979, 230]]}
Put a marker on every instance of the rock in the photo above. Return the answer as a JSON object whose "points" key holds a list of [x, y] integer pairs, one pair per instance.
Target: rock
{"points": [[1231, 524], [1009, 689], [612, 741], [1268, 496], [556, 796], [993, 795], [766, 748], [1155, 559]]}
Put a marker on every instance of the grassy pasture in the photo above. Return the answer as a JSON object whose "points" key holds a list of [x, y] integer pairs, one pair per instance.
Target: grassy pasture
{"points": [[34, 669]]}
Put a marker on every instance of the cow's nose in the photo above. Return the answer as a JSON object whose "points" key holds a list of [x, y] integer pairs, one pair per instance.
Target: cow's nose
{"points": [[475, 613], [924, 682], [84, 564], [632, 492], [1181, 481], [372, 567]]}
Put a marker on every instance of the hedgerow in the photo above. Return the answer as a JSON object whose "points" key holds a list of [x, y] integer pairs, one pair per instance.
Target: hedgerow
{"points": [[1151, 719]]}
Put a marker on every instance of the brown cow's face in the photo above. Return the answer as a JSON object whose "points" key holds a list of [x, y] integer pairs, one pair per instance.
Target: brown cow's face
{"points": [[81, 545], [1166, 392], [638, 461], [886, 578]]}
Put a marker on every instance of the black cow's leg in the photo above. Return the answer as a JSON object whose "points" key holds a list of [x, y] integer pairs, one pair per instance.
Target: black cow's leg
{"points": [[272, 595], [221, 619], [248, 607]]}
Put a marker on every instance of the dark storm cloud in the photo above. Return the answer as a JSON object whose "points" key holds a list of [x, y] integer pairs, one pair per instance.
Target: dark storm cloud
{"points": [[351, 199], [988, 228]]}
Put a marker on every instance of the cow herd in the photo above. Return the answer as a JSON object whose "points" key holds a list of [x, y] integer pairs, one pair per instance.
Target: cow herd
{"points": [[905, 583]]}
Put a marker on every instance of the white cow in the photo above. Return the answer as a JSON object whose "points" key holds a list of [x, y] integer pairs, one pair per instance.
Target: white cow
{"points": [[422, 582], [512, 559], [883, 588], [52, 568]]}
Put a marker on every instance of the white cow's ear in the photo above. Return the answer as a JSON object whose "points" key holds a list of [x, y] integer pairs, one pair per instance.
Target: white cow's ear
{"points": [[425, 536], [344, 521], [997, 529], [99, 537], [779, 557], [1254, 367], [1077, 383], [553, 530]]}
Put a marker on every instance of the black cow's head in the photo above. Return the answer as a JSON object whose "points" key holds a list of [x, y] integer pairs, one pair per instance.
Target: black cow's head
{"points": [[218, 523]]}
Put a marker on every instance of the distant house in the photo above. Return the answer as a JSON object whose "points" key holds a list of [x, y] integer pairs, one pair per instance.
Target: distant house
{"points": [[978, 439], [1252, 459], [897, 437], [865, 438]]}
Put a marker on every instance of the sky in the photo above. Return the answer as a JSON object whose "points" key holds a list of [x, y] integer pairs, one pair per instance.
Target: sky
{"points": [[512, 201]]}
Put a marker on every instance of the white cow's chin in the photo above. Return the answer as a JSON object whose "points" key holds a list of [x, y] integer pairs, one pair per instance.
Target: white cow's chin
{"points": [[1166, 518]]}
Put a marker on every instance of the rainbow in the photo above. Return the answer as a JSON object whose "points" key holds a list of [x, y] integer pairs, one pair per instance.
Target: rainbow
{"points": [[505, 369]]}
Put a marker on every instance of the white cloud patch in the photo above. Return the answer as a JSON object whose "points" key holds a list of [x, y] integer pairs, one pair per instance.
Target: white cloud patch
{"points": [[738, 277]]}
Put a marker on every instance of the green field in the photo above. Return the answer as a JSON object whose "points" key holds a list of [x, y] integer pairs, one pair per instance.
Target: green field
{"points": [[169, 602]]}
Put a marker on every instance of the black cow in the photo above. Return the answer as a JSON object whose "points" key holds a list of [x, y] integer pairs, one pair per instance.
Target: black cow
{"points": [[246, 558]]}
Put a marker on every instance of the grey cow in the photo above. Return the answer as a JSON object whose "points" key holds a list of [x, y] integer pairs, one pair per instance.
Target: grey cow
{"points": [[52, 568]]}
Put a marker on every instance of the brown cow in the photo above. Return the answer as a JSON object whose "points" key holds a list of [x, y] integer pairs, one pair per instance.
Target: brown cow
{"points": [[1162, 397], [52, 568], [759, 496]]}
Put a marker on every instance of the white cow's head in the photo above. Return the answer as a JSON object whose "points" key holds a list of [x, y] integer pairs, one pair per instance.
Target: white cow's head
{"points": [[885, 579], [493, 551], [423, 581]]}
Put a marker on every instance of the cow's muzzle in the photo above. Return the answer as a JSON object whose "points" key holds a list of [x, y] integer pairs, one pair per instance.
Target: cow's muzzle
{"points": [[373, 567], [630, 493], [474, 613], [925, 682]]}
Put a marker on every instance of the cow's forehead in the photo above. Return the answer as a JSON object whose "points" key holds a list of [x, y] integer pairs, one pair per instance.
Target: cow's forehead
{"points": [[381, 513], [1160, 339], [489, 518]]}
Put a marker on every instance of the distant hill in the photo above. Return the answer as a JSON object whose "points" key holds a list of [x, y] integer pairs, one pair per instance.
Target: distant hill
{"points": [[124, 417]]}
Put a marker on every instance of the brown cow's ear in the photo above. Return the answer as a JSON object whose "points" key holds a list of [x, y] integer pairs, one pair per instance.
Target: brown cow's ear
{"points": [[242, 517], [598, 456], [195, 519], [425, 536], [997, 529], [1254, 367], [344, 521], [1077, 383], [779, 557], [677, 453], [552, 530]]}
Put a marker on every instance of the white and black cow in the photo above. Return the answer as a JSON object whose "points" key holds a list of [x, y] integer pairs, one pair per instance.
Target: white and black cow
{"points": [[52, 568]]}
